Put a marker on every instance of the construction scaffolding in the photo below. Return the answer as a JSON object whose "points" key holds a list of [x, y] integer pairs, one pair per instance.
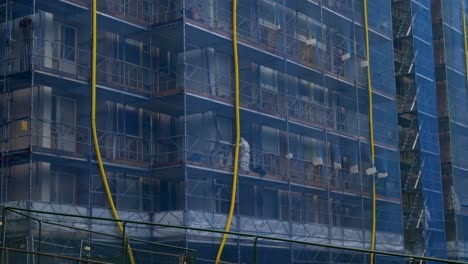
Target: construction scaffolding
{"points": [[165, 117], [303, 115], [449, 21], [423, 209]]}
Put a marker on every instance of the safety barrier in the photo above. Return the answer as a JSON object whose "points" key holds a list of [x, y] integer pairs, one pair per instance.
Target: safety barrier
{"points": [[47, 237]]}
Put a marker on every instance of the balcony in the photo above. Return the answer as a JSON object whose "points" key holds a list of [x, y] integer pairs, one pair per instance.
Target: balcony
{"points": [[72, 63], [259, 98], [73, 141], [263, 31], [219, 155], [132, 11], [300, 39]]}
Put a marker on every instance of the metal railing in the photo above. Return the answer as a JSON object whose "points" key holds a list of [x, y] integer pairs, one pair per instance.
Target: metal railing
{"points": [[68, 61], [267, 31], [96, 240], [48, 134], [134, 11], [219, 155], [89, 240], [12, 255]]}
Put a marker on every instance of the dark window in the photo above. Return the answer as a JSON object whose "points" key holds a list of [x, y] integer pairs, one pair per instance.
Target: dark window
{"points": [[132, 52], [68, 43], [129, 120], [132, 122], [247, 199], [270, 203]]}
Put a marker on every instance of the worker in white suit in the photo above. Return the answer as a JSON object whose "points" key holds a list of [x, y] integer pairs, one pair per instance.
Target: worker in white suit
{"points": [[244, 155]]}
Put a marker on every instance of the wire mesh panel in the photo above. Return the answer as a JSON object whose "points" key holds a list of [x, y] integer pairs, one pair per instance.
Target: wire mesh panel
{"points": [[66, 238]]}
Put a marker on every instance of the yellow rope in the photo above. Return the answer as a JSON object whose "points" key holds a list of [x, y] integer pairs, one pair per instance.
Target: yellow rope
{"points": [[236, 152], [465, 41], [95, 138], [371, 132]]}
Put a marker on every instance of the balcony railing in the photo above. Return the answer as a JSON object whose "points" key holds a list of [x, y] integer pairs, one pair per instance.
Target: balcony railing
{"points": [[219, 155], [259, 97], [72, 62], [76, 140], [134, 11], [329, 54], [124, 75], [250, 29]]}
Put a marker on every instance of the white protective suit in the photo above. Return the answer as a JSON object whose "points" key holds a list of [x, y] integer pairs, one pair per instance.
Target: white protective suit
{"points": [[244, 155]]}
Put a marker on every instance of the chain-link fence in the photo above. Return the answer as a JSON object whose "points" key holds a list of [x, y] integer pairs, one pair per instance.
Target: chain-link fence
{"points": [[30, 236]]}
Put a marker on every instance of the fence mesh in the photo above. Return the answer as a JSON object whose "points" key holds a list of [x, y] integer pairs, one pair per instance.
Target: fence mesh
{"points": [[41, 237]]}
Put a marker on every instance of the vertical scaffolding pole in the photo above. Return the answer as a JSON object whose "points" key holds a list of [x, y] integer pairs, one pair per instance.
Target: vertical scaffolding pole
{"points": [[371, 132]]}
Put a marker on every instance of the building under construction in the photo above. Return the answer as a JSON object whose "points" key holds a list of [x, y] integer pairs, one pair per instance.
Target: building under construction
{"points": [[311, 162], [422, 192]]}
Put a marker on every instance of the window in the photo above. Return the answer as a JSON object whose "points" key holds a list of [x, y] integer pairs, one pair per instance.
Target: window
{"points": [[303, 28], [284, 205], [266, 15], [309, 145], [308, 210], [67, 188], [133, 51], [270, 203], [164, 57], [311, 92], [296, 207], [306, 90], [223, 74], [68, 43], [149, 191], [64, 115], [171, 196], [129, 120], [111, 48], [129, 194], [222, 198], [247, 199], [224, 129], [270, 140], [268, 79]]}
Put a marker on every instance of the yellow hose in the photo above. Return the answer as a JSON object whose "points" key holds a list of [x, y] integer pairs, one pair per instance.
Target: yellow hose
{"points": [[95, 138], [465, 41], [371, 132], [236, 152]]}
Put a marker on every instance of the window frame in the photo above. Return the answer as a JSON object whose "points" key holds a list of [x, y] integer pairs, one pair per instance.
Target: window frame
{"points": [[63, 45]]}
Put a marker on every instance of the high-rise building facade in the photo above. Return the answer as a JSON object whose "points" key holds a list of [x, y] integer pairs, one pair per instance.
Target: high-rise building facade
{"points": [[166, 131], [422, 190], [449, 39]]}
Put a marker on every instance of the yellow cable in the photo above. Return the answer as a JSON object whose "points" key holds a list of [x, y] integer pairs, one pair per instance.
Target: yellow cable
{"points": [[236, 152], [465, 41], [371, 132], [95, 138]]}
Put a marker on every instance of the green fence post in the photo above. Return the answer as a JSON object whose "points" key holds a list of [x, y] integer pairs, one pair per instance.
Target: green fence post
{"points": [[4, 223], [40, 241], [255, 251]]}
